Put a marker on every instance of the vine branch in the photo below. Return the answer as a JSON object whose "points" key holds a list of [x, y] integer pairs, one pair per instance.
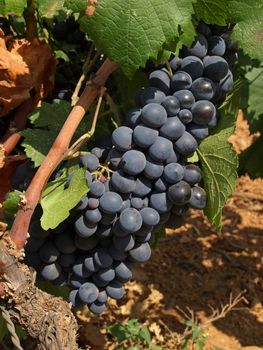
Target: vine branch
{"points": [[56, 154], [31, 20]]}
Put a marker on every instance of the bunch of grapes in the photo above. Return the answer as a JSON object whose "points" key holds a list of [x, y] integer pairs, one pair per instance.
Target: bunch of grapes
{"points": [[145, 181]]}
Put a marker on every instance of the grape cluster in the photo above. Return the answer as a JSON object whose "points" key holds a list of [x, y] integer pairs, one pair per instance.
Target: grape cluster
{"points": [[150, 183]]}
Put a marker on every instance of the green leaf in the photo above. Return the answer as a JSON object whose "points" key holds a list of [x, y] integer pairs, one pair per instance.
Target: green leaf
{"points": [[196, 333], [193, 159], [129, 32], [251, 160], [76, 5], [254, 111], [10, 206], [119, 331], [212, 11], [248, 31], [47, 121], [145, 335], [49, 8], [12, 6], [218, 165], [54, 290], [57, 201]]}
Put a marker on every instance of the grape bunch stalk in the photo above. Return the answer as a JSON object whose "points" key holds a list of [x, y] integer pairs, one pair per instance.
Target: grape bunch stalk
{"points": [[140, 179]]}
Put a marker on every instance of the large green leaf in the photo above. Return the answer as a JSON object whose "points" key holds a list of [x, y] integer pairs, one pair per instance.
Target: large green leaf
{"points": [[131, 31], [212, 11], [47, 121], [219, 160], [248, 31], [57, 199], [12, 6]]}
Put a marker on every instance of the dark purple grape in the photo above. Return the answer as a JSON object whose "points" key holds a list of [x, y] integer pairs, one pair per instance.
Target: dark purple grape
{"points": [[160, 202], [133, 117], [199, 47], [185, 97], [122, 182], [171, 105], [144, 136], [173, 172], [198, 198], [160, 149], [161, 80], [122, 138], [203, 89], [186, 144], [185, 116], [140, 253], [203, 111], [88, 292], [216, 46], [152, 95], [193, 66], [179, 193], [133, 162], [216, 68], [181, 80], [192, 174], [89, 161], [110, 203], [154, 115]]}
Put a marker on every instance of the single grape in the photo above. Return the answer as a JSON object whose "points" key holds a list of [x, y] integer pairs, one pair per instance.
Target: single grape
{"points": [[115, 158], [74, 299], [89, 161], [48, 253], [203, 111], [88, 292], [199, 47], [97, 308], [133, 117], [192, 174], [110, 203], [90, 264], [185, 116], [153, 169], [143, 186], [130, 220], [125, 204], [150, 216], [140, 253], [65, 242], [66, 260], [115, 290], [160, 149], [93, 203], [216, 46], [84, 228], [173, 129], [83, 203], [98, 281], [144, 136], [173, 172], [186, 144], [193, 66], [107, 274], [181, 80], [171, 105], [199, 132], [160, 202], [185, 97], [96, 189], [50, 272], [227, 83], [122, 138], [161, 80], [123, 271], [86, 244], [161, 185], [124, 244], [203, 89], [102, 297], [216, 68], [198, 198], [122, 182], [154, 115], [152, 95], [137, 203], [100, 153], [133, 162], [102, 258], [179, 193], [93, 215], [175, 63]]}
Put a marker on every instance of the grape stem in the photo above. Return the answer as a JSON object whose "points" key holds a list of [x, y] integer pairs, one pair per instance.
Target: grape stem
{"points": [[56, 154], [86, 68], [84, 138], [169, 68]]}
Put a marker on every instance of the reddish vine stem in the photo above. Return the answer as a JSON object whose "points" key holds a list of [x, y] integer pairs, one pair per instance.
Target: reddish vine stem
{"points": [[18, 232], [12, 136]]}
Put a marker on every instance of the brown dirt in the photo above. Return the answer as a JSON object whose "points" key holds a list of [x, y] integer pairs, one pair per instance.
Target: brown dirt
{"points": [[195, 269]]}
